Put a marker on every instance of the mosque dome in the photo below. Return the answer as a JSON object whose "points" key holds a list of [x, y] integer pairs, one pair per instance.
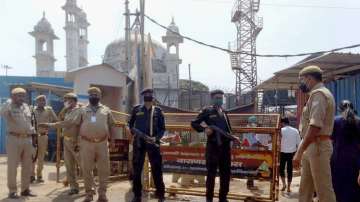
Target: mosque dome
{"points": [[115, 52], [43, 26], [173, 27]]}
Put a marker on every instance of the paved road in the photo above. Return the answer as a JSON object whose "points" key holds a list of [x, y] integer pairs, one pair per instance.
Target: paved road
{"points": [[119, 191]]}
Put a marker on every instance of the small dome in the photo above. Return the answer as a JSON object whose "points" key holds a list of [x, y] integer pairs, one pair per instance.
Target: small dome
{"points": [[173, 27], [115, 52], [82, 14], [43, 26], [70, 3]]}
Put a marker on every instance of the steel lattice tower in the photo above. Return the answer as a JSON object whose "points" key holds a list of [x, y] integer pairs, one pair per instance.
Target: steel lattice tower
{"points": [[248, 25]]}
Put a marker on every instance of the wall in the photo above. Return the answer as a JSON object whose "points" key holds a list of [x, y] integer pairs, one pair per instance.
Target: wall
{"points": [[103, 76], [348, 89]]}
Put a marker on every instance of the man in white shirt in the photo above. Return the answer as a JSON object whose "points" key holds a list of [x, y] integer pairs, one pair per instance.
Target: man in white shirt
{"points": [[290, 140]]}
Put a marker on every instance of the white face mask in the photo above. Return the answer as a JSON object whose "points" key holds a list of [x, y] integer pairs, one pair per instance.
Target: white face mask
{"points": [[67, 104]]}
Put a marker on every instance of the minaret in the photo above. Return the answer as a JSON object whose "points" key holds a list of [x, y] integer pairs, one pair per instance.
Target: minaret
{"points": [[44, 47], [83, 39], [72, 34], [172, 59]]}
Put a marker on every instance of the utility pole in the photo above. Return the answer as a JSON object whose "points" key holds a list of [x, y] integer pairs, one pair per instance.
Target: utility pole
{"points": [[190, 87], [168, 93], [142, 45], [127, 37], [6, 67]]}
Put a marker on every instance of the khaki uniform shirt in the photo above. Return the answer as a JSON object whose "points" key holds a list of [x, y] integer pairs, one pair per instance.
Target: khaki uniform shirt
{"points": [[96, 123], [93, 123], [44, 115], [70, 130], [18, 118], [319, 111]]}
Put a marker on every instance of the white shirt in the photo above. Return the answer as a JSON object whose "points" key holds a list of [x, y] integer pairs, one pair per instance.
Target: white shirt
{"points": [[290, 139]]}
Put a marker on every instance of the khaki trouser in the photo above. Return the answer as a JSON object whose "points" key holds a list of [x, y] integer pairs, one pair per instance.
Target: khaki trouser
{"points": [[19, 149], [316, 173], [91, 155], [42, 149], [71, 159]]}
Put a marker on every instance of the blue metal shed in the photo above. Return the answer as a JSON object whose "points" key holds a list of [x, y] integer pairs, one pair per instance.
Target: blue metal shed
{"points": [[7, 81], [347, 88]]}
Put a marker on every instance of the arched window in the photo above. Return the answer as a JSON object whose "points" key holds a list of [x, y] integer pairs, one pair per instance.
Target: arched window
{"points": [[172, 49], [43, 46]]}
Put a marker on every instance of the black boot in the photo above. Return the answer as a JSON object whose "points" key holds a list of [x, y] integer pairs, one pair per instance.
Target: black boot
{"points": [[32, 179], [162, 199], [136, 199], [13, 195], [39, 179], [28, 193], [73, 192]]}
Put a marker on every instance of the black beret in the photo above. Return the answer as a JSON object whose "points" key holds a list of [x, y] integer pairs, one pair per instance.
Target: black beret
{"points": [[214, 92], [147, 90]]}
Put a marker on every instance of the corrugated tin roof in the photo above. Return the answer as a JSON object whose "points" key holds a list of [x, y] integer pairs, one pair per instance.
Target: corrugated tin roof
{"points": [[333, 64]]}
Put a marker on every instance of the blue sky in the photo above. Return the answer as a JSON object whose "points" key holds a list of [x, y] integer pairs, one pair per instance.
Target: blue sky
{"points": [[287, 29]]}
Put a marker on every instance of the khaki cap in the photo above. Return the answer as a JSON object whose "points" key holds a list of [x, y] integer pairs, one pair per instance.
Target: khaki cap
{"points": [[94, 90], [70, 95], [18, 91], [310, 69], [40, 97]]}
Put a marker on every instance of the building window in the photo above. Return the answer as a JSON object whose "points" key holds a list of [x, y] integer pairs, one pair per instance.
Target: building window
{"points": [[172, 49]]}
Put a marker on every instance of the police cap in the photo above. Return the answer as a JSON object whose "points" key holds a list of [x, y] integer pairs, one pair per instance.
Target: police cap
{"points": [[40, 97], [310, 70], [94, 90], [215, 92], [18, 91], [147, 90]]}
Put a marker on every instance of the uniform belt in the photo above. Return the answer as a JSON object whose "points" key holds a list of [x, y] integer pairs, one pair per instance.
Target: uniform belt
{"points": [[42, 134], [321, 138], [67, 138], [22, 135], [94, 140]]}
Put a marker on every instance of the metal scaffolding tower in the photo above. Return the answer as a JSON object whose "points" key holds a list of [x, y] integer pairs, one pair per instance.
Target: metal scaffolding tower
{"points": [[243, 63]]}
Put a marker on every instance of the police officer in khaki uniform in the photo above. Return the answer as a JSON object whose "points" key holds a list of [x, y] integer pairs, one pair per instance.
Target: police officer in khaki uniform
{"points": [[42, 114], [19, 143], [97, 125], [316, 148], [71, 139]]}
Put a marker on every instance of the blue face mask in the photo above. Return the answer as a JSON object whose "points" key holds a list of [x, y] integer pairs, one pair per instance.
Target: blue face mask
{"points": [[217, 101]]}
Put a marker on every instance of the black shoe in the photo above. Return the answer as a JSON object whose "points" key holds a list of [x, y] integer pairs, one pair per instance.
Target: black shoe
{"points": [[32, 179], [13, 195], [40, 180], [73, 192], [161, 200], [136, 199], [209, 200], [28, 193], [88, 198]]}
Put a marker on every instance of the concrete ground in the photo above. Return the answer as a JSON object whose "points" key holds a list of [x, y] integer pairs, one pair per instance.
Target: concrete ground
{"points": [[119, 191]]}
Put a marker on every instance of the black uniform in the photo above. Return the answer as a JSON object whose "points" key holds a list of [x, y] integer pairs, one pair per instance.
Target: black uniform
{"points": [[140, 119], [216, 156]]}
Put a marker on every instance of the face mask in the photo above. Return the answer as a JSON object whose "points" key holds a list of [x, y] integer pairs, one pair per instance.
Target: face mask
{"points": [[303, 87], [148, 98], [66, 104], [217, 101], [94, 101]]}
